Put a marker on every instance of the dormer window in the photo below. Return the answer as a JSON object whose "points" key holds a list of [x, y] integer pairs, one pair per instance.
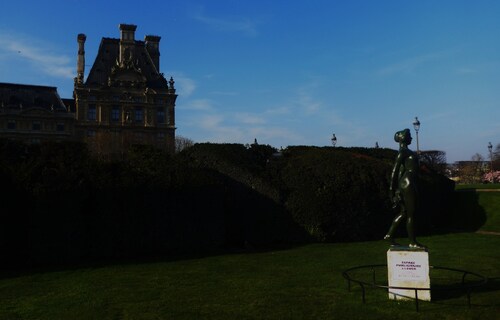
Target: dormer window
{"points": [[115, 114], [139, 115], [11, 125], [36, 126], [160, 115], [91, 112]]}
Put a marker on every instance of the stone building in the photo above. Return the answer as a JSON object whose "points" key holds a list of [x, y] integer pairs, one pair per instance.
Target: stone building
{"points": [[34, 114], [125, 99]]}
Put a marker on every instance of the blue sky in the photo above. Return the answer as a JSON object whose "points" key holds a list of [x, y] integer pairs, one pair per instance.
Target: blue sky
{"points": [[290, 72]]}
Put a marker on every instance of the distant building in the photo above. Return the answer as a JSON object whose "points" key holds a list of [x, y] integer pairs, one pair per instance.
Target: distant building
{"points": [[125, 99], [469, 171], [34, 114]]}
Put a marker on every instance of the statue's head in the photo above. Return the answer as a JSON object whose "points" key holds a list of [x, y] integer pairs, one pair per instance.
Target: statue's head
{"points": [[403, 136]]}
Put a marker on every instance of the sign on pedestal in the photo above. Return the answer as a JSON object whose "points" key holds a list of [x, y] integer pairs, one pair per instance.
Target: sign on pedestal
{"points": [[408, 267]]}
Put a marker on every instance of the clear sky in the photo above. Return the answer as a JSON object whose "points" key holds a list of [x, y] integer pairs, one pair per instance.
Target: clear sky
{"points": [[290, 72]]}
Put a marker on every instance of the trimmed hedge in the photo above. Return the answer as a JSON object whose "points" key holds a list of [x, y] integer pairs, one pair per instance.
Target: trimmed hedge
{"points": [[335, 194], [61, 205]]}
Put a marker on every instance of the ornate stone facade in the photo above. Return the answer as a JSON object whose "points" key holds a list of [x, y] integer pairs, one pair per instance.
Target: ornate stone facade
{"points": [[34, 114], [125, 99]]}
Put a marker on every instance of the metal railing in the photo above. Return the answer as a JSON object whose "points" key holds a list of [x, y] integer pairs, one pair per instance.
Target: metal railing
{"points": [[468, 287]]}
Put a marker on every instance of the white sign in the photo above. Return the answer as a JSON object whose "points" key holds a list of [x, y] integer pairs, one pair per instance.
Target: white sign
{"points": [[408, 269]]}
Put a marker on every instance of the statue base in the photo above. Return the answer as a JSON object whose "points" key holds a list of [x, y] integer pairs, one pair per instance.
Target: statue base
{"points": [[408, 267]]}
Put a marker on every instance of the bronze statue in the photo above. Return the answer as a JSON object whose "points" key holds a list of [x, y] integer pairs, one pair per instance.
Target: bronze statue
{"points": [[403, 189]]}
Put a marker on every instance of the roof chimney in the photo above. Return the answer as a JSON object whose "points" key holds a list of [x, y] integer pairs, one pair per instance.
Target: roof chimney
{"points": [[80, 64], [153, 47], [127, 40]]}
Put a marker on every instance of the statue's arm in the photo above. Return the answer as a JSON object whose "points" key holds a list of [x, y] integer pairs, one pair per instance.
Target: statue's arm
{"points": [[395, 175]]}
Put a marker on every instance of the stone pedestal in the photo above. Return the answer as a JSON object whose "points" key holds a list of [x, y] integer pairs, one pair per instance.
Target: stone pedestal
{"points": [[408, 267]]}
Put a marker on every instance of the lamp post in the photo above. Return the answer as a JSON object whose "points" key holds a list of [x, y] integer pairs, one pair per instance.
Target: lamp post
{"points": [[416, 126], [334, 140], [490, 149]]}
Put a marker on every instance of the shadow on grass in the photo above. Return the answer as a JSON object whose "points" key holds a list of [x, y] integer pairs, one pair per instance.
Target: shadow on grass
{"points": [[208, 214], [446, 296], [14, 272], [468, 214], [464, 214], [446, 289], [443, 297]]}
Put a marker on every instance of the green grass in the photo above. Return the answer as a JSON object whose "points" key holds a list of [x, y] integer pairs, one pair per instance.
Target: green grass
{"points": [[490, 203], [485, 203], [298, 283], [478, 186]]}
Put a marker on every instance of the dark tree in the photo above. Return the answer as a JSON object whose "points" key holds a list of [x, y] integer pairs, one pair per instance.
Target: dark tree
{"points": [[472, 171], [182, 143], [496, 158], [435, 160]]}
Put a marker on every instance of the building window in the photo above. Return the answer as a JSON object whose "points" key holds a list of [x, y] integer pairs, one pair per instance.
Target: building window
{"points": [[160, 115], [36, 126], [160, 136], [115, 113], [60, 127], [168, 117], [91, 113], [11, 125], [90, 133], [139, 114]]}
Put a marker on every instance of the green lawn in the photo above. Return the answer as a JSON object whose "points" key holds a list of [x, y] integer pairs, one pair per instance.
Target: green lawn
{"points": [[490, 202], [485, 203], [478, 186], [298, 283]]}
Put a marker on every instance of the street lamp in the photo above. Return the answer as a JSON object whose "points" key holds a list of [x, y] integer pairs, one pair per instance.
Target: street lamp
{"points": [[490, 149], [416, 126], [334, 140]]}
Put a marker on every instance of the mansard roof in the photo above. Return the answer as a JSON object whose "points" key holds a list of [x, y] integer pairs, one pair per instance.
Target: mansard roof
{"points": [[25, 96], [69, 103], [108, 56]]}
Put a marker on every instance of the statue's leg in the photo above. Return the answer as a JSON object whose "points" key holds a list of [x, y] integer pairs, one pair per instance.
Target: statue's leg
{"points": [[411, 205], [410, 228], [394, 226]]}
